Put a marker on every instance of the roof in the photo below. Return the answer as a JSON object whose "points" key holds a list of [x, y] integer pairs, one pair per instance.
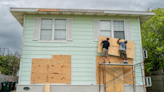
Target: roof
{"points": [[18, 13]]}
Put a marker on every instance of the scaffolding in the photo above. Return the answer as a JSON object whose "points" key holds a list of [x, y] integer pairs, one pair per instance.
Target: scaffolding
{"points": [[133, 68]]}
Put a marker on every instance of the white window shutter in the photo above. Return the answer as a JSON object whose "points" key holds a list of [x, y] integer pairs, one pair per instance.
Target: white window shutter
{"points": [[69, 29], [128, 30], [96, 24], [36, 28]]}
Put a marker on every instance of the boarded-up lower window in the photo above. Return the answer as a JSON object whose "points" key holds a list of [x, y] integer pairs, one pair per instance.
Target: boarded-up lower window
{"points": [[55, 70]]}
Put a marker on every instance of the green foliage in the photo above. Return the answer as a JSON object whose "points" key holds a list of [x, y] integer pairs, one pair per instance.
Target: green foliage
{"points": [[9, 64], [153, 40]]}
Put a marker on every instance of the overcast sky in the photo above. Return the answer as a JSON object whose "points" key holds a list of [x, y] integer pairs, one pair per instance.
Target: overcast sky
{"points": [[11, 30]]}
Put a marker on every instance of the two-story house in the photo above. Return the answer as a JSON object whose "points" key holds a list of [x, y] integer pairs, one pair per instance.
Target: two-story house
{"points": [[59, 46]]}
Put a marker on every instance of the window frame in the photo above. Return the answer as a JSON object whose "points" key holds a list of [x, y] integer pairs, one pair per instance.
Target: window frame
{"points": [[53, 30], [106, 30], [112, 26]]}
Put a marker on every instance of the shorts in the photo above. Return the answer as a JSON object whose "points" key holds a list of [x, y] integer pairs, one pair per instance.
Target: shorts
{"points": [[123, 54], [105, 52]]}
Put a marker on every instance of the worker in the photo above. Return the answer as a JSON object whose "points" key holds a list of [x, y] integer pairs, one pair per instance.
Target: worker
{"points": [[122, 50], [106, 44]]}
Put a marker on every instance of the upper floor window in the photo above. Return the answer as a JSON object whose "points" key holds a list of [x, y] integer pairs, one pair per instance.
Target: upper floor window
{"points": [[118, 29], [105, 28], [112, 28], [53, 29]]}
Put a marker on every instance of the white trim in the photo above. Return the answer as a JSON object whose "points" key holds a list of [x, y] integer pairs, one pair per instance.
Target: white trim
{"points": [[24, 9], [95, 71], [71, 69], [21, 49], [141, 50], [53, 30], [30, 70], [125, 30], [60, 41], [86, 10], [112, 29], [130, 12]]}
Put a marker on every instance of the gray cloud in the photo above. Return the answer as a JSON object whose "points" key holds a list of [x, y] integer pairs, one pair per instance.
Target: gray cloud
{"points": [[11, 30]]}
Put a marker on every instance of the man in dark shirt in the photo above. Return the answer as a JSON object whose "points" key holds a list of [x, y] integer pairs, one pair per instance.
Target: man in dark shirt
{"points": [[106, 44], [122, 50]]}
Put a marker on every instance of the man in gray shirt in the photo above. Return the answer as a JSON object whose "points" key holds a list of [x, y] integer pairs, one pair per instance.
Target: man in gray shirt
{"points": [[122, 50]]}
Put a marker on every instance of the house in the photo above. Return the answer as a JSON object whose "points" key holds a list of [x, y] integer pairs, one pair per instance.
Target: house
{"points": [[59, 46]]}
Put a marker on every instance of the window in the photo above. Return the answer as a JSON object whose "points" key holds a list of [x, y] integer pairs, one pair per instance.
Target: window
{"points": [[118, 27], [112, 28], [53, 29], [60, 29], [105, 28], [46, 29]]}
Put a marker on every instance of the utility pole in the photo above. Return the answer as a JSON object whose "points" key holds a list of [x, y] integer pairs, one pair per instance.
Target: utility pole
{"points": [[2, 51]]}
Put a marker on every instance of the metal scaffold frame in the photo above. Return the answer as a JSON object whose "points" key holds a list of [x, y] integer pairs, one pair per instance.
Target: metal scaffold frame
{"points": [[134, 67]]}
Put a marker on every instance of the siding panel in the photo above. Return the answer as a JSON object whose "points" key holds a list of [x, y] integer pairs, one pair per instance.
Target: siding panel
{"points": [[83, 49]]}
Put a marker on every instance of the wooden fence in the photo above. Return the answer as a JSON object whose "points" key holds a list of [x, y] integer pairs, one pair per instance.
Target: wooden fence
{"points": [[157, 79]]}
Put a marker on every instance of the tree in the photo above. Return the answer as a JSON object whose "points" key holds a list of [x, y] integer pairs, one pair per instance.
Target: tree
{"points": [[10, 64], [152, 33]]}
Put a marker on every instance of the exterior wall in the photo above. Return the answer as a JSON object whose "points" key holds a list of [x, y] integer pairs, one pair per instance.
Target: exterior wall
{"points": [[83, 49]]}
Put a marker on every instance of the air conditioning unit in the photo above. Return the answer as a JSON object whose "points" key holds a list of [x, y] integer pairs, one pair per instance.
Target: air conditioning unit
{"points": [[148, 81], [145, 54]]}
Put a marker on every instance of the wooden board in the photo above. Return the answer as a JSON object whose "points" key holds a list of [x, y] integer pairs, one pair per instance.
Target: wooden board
{"points": [[114, 47], [48, 10], [39, 73], [121, 69], [47, 87], [41, 61], [61, 59], [38, 78], [46, 71], [59, 73]]}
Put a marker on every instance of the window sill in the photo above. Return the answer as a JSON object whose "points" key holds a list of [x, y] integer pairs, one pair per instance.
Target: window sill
{"points": [[55, 41]]}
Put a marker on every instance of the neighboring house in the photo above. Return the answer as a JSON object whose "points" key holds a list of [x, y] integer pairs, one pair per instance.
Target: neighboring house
{"points": [[74, 32]]}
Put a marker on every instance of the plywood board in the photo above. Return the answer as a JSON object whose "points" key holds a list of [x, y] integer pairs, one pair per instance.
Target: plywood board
{"points": [[48, 10], [38, 78], [46, 71], [39, 73], [61, 59], [41, 61], [109, 76], [114, 47], [59, 73], [47, 87], [56, 78], [59, 69], [39, 68]]}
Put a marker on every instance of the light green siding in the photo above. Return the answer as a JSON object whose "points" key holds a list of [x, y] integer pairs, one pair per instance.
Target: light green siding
{"points": [[83, 48]]}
